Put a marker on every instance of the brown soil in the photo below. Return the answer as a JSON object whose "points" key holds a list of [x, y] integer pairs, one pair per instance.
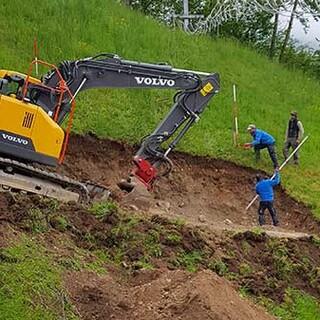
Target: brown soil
{"points": [[209, 194], [201, 190], [8, 234], [171, 295], [264, 266]]}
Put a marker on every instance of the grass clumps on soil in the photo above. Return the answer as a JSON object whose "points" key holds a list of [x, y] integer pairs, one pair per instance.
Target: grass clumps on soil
{"points": [[297, 305], [132, 241], [30, 285], [219, 267], [245, 269], [40, 215], [60, 223], [189, 260], [283, 264], [266, 267], [316, 240], [37, 221], [139, 243], [101, 209], [81, 259], [173, 238]]}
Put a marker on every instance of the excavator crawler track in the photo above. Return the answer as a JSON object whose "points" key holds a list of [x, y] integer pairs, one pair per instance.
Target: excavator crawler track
{"points": [[16, 176]]}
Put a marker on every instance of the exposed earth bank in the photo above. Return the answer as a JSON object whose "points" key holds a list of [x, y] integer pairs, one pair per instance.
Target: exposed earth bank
{"points": [[155, 265], [199, 189]]}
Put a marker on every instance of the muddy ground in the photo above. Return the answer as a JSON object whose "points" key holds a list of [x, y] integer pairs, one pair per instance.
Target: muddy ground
{"points": [[172, 295], [152, 281], [199, 189], [146, 273]]}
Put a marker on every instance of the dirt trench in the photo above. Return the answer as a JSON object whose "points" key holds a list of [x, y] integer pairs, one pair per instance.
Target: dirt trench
{"points": [[201, 190]]}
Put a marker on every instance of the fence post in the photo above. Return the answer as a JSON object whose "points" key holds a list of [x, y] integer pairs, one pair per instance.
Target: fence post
{"points": [[235, 114]]}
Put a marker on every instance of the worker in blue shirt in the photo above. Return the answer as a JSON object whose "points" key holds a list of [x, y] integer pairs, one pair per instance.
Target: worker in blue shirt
{"points": [[262, 140], [264, 189]]}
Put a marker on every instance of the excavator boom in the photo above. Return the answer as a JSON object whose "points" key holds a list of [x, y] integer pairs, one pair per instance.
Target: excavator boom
{"points": [[36, 110]]}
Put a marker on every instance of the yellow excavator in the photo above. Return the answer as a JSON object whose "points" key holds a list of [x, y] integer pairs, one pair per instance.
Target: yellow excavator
{"points": [[32, 112]]}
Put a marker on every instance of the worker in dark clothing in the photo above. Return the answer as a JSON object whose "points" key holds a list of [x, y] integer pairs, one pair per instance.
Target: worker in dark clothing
{"points": [[294, 135], [264, 189], [262, 140]]}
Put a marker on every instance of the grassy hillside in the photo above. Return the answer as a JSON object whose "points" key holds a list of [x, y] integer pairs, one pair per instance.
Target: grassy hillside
{"points": [[267, 92]]}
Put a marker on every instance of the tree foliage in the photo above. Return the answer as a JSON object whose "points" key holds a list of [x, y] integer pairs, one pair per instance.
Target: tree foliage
{"points": [[255, 22]]}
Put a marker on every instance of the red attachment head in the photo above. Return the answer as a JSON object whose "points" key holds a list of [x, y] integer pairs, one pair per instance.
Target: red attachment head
{"points": [[144, 171]]}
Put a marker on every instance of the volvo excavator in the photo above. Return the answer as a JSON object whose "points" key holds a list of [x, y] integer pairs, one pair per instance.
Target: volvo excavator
{"points": [[33, 110]]}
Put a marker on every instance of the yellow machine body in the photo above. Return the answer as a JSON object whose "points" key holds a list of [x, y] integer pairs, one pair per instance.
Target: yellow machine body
{"points": [[27, 131]]}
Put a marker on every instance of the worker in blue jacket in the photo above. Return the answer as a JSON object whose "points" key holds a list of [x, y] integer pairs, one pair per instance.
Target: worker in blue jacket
{"points": [[264, 189], [262, 140]]}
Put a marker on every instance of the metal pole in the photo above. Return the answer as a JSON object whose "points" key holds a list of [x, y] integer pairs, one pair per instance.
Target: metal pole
{"points": [[283, 164], [79, 88], [185, 13]]}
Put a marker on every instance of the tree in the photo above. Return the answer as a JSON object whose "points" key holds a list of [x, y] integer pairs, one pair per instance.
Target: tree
{"points": [[247, 20], [288, 31], [274, 35]]}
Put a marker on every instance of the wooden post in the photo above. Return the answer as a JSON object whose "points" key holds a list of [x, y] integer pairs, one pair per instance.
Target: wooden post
{"points": [[235, 113], [36, 53]]}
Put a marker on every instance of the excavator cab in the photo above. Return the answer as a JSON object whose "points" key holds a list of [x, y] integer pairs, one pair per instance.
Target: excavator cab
{"points": [[4, 86], [11, 84]]}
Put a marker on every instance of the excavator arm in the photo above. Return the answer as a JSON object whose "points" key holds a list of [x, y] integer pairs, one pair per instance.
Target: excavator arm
{"points": [[42, 105], [106, 71], [184, 113], [110, 71]]}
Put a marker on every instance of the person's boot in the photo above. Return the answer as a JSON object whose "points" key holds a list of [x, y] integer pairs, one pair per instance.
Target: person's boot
{"points": [[274, 218], [261, 220], [257, 155]]}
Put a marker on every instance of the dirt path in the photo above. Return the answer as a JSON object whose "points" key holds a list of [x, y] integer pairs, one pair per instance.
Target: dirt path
{"points": [[200, 190]]}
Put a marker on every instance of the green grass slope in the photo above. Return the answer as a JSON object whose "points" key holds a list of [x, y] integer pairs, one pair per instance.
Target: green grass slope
{"points": [[31, 284], [267, 91]]}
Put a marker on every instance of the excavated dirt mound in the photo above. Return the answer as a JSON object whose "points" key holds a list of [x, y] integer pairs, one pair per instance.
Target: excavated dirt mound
{"points": [[172, 295], [200, 190]]}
